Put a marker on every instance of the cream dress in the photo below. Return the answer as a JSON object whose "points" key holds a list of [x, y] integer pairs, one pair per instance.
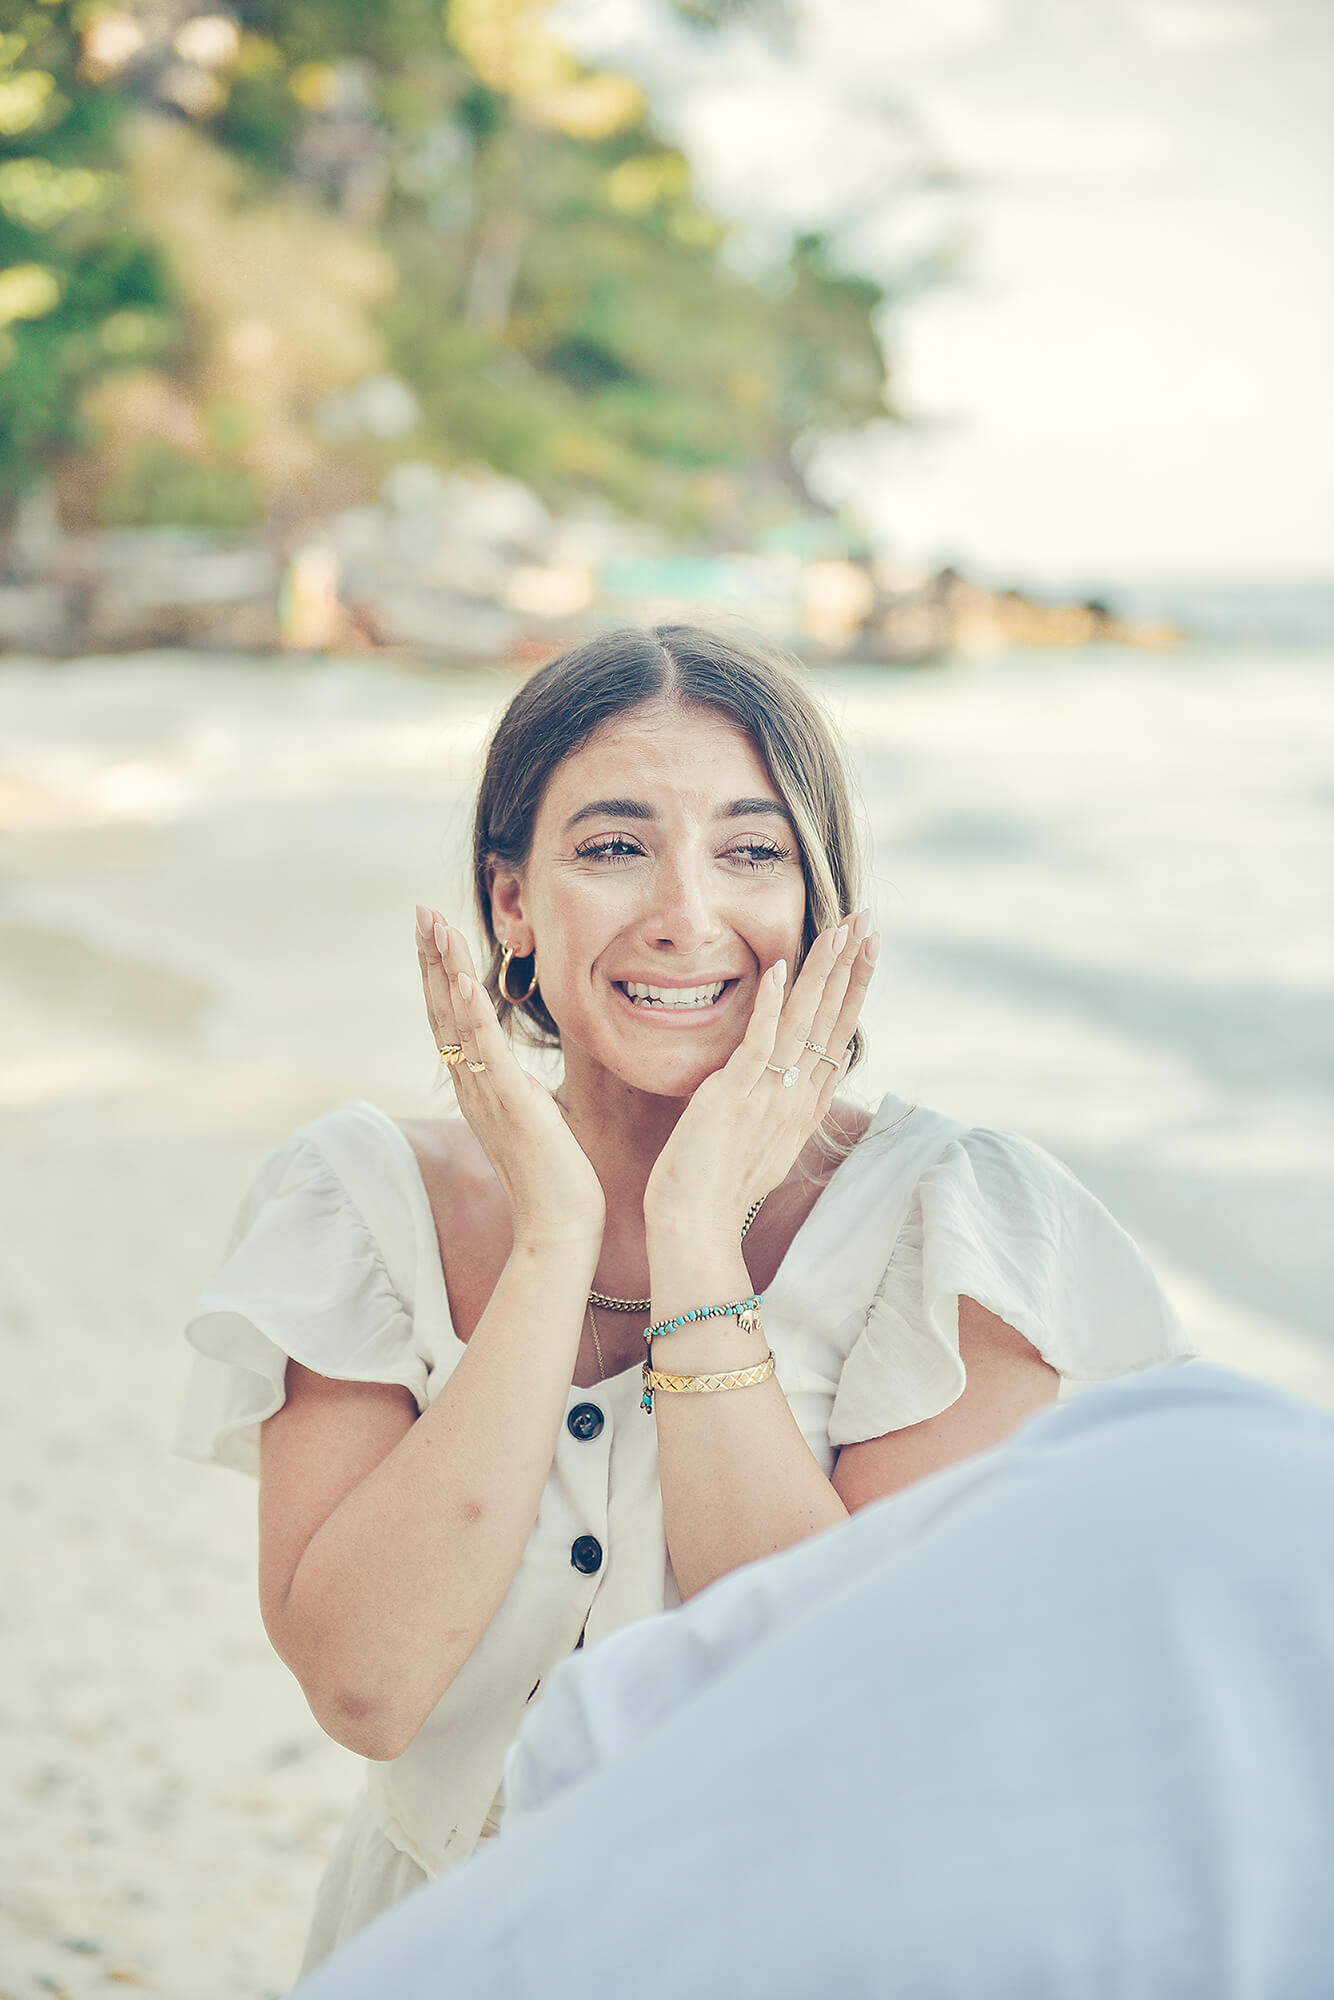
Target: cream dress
{"points": [[335, 1263]]}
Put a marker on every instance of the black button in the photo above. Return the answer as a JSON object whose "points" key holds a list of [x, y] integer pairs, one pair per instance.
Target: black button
{"points": [[584, 1422], [586, 1554]]}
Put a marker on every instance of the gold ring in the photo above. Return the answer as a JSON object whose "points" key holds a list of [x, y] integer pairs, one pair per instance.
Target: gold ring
{"points": [[476, 1068], [452, 1053], [791, 1075]]}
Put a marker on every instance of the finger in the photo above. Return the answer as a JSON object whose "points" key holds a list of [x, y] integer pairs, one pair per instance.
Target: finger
{"points": [[799, 1013], [484, 1040], [833, 999], [435, 984], [849, 1014], [756, 1047], [433, 953]]}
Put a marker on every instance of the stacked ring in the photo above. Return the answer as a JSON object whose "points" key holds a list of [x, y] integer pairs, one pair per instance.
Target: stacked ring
{"points": [[452, 1053]]}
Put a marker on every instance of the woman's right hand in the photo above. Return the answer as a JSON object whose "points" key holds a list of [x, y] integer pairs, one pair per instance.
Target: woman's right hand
{"points": [[554, 1194]]}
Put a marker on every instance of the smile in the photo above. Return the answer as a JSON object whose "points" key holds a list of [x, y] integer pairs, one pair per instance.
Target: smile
{"points": [[672, 999]]}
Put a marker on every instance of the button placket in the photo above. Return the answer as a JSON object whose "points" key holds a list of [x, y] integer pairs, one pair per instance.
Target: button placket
{"points": [[584, 1457]]}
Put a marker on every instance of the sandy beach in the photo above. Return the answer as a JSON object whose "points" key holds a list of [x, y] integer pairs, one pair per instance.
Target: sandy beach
{"points": [[1102, 885]]}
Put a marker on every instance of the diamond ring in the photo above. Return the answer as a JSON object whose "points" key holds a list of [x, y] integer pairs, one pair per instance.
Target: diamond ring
{"points": [[789, 1076]]}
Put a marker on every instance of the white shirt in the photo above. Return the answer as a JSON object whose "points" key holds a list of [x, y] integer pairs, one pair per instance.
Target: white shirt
{"points": [[335, 1263]]}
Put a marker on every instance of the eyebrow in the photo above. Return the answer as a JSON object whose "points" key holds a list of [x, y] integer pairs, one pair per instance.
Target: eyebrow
{"points": [[638, 809]]}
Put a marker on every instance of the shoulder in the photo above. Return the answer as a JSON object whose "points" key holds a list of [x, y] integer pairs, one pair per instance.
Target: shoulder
{"points": [[459, 1180], [903, 1141], [351, 1171]]}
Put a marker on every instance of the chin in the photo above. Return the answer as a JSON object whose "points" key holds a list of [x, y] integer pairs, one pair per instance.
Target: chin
{"points": [[661, 1072]]}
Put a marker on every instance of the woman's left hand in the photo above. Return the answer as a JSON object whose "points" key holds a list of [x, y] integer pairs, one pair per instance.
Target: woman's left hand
{"points": [[745, 1126]]}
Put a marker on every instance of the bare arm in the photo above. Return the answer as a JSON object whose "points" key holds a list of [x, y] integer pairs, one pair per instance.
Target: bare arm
{"points": [[387, 1540], [1007, 1381], [738, 1479]]}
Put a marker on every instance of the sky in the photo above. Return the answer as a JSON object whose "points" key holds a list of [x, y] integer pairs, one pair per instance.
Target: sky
{"points": [[1130, 372]]}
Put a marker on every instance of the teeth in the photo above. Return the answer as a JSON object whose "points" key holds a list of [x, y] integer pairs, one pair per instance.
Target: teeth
{"points": [[674, 996]]}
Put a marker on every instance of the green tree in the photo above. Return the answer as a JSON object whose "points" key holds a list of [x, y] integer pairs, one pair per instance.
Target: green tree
{"points": [[82, 290], [565, 309]]}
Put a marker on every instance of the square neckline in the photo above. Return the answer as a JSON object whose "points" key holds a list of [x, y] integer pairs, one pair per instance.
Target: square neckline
{"points": [[780, 1276]]}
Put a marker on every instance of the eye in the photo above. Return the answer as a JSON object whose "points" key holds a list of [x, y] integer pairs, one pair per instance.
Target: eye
{"points": [[759, 854], [612, 847]]}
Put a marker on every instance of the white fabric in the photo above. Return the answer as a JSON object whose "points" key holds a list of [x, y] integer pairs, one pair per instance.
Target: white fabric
{"points": [[335, 1262], [1058, 1723]]}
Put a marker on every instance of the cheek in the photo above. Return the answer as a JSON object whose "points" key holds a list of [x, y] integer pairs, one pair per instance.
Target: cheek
{"points": [[578, 919], [778, 914]]}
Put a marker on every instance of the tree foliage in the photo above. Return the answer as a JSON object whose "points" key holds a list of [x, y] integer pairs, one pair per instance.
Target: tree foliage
{"points": [[565, 309], [82, 289]]}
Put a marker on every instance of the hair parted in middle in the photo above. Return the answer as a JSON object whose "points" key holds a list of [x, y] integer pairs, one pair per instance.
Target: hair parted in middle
{"points": [[569, 699]]}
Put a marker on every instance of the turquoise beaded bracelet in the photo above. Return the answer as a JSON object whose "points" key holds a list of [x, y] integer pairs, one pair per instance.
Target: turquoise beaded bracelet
{"points": [[651, 1333]]}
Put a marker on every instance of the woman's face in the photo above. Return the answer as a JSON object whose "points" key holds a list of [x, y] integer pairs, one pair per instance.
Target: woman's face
{"points": [[664, 879]]}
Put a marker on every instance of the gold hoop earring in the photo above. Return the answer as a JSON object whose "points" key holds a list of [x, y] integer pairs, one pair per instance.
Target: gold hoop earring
{"points": [[515, 999]]}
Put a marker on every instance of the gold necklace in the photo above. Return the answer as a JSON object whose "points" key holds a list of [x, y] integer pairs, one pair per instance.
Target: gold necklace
{"points": [[612, 1304], [597, 1344]]}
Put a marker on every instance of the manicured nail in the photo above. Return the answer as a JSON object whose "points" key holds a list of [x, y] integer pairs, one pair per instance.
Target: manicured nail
{"points": [[465, 987], [780, 972], [442, 940], [873, 948], [423, 921], [862, 924], [840, 939]]}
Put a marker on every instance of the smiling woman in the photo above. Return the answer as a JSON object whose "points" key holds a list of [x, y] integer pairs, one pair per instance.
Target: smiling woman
{"points": [[511, 1379]]}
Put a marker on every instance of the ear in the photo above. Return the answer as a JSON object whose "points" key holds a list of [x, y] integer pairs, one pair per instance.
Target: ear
{"points": [[508, 920]]}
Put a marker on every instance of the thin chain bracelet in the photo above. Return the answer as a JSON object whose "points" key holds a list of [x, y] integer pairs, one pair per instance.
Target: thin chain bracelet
{"points": [[737, 1308]]}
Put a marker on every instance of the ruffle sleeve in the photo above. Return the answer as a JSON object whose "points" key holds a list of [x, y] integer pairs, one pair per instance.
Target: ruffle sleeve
{"points": [[304, 1280], [997, 1220]]}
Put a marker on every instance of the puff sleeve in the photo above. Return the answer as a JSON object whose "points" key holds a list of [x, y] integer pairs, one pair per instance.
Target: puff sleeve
{"points": [[998, 1220], [304, 1280]]}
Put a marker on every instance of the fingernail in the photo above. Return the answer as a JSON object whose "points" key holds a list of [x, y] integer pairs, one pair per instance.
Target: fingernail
{"points": [[873, 947], [840, 938], [862, 924], [442, 939], [780, 971], [423, 921], [465, 986]]}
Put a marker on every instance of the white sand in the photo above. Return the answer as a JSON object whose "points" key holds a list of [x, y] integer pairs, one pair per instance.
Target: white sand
{"points": [[1101, 883]]}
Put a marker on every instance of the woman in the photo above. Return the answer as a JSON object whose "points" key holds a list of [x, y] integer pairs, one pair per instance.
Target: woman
{"points": [[437, 1328]]}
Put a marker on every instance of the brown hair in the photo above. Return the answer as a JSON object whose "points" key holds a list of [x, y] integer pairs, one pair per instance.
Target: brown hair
{"points": [[566, 701]]}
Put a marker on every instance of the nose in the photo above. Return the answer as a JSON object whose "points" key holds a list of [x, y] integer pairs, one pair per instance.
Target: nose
{"points": [[682, 914]]}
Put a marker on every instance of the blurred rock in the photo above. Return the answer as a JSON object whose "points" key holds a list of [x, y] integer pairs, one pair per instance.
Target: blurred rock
{"points": [[496, 512], [35, 618], [379, 407], [163, 587], [436, 621]]}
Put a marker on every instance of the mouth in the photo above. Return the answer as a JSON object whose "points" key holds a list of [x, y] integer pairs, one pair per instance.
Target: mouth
{"points": [[674, 1001]]}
